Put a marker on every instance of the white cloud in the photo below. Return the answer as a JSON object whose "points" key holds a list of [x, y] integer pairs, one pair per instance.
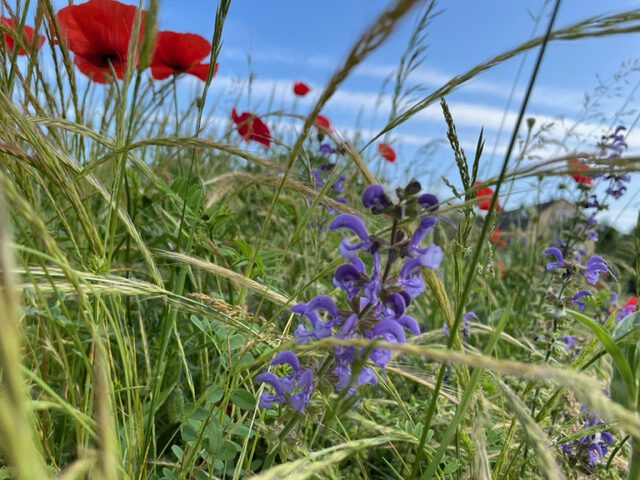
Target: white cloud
{"points": [[469, 117], [544, 96], [466, 114]]}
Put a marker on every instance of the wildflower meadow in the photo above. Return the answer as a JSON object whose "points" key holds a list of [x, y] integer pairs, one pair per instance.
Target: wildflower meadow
{"points": [[196, 283]]}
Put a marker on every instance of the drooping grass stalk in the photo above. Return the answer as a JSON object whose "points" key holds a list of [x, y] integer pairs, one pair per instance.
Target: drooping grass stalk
{"points": [[615, 24], [373, 37], [485, 227], [16, 422]]}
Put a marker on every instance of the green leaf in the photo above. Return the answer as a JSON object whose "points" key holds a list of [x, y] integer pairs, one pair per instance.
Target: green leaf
{"points": [[247, 251], [190, 431], [175, 405], [215, 439], [243, 399], [214, 394], [628, 330], [620, 361], [193, 191], [451, 467], [627, 335], [236, 341], [229, 450], [178, 452]]}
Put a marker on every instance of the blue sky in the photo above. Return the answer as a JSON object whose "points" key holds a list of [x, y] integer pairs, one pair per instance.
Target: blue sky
{"points": [[290, 40]]}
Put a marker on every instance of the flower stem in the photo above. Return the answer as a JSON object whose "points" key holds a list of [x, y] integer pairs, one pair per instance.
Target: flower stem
{"points": [[634, 465]]}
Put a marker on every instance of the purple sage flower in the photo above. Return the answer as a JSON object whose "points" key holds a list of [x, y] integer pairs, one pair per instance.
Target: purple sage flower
{"points": [[559, 263], [377, 299], [591, 449], [410, 279], [294, 389], [319, 329], [592, 235], [357, 226], [466, 325], [426, 225], [595, 266], [326, 149], [428, 201], [578, 301], [375, 198], [569, 342]]}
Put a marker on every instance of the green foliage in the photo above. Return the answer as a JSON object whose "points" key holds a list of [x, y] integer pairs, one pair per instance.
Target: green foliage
{"points": [[156, 267]]}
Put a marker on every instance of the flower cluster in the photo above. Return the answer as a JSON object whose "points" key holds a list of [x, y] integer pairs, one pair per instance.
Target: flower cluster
{"points": [[613, 146], [100, 33], [590, 449], [569, 257], [591, 271], [379, 280]]}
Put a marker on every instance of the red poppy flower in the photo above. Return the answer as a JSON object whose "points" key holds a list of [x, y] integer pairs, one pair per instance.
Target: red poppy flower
{"points": [[250, 127], [301, 89], [632, 304], [177, 53], [497, 239], [28, 36], [485, 195], [322, 123], [388, 153], [99, 33], [578, 165], [627, 309]]}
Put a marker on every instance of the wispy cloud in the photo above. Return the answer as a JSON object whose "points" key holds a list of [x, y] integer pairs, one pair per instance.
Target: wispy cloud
{"points": [[544, 95], [469, 115]]}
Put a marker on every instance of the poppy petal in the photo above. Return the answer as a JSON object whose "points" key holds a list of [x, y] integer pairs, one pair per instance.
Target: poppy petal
{"points": [[322, 123], [180, 51], [250, 127], [161, 72], [91, 70], [28, 33], [261, 133], [202, 71]]}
